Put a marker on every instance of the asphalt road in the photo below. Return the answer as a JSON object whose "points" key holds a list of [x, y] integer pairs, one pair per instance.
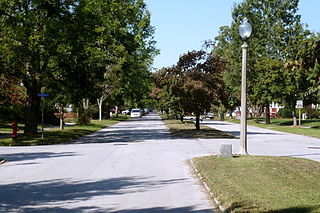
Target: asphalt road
{"points": [[132, 167], [270, 142]]}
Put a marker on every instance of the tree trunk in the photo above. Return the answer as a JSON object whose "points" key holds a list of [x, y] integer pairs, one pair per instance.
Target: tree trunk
{"points": [[117, 114], [256, 114], [197, 121], [181, 118], [32, 112], [100, 101], [61, 115], [108, 115], [267, 113], [108, 112], [85, 103], [83, 114], [294, 113]]}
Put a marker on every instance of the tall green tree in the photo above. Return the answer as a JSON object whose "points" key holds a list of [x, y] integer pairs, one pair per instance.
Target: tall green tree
{"points": [[194, 84], [72, 42], [278, 35], [167, 90], [31, 34], [119, 38]]}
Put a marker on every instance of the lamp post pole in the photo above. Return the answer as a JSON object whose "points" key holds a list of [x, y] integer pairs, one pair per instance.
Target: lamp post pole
{"points": [[245, 31], [243, 130]]}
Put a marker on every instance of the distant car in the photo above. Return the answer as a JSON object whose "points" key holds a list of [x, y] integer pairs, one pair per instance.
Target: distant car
{"points": [[209, 115], [146, 110], [126, 112], [136, 113]]}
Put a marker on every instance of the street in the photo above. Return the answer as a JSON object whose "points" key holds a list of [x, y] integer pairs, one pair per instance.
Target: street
{"points": [[134, 166], [270, 142], [131, 167]]}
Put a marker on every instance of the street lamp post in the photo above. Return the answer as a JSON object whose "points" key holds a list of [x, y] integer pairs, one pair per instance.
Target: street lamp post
{"points": [[245, 31]]}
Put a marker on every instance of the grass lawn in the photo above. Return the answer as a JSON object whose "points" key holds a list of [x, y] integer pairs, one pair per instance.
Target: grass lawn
{"points": [[56, 136], [188, 129], [263, 184], [6, 127], [308, 127]]}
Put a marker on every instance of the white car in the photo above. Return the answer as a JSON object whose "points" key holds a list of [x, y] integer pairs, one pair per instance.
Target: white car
{"points": [[126, 112], [136, 113]]}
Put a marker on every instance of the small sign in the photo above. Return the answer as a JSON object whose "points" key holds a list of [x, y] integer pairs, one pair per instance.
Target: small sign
{"points": [[299, 104], [43, 95]]}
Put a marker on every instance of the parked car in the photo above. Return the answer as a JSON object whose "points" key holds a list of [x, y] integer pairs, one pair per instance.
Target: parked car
{"points": [[126, 112], [136, 113], [209, 115], [146, 110]]}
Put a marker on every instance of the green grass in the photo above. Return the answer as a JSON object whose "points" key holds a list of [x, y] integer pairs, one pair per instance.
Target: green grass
{"points": [[187, 129], [57, 136], [7, 127], [308, 127], [263, 184]]}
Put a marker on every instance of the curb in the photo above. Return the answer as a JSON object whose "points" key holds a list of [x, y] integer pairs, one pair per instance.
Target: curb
{"points": [[217, 203]]}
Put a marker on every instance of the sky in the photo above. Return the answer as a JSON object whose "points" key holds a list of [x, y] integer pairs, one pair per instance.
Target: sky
{"points": [[183, 25]]}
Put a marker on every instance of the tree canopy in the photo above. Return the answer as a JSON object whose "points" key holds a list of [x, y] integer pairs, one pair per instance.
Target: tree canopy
{"points": [[193, 85], [281, 54], [69, 44]]}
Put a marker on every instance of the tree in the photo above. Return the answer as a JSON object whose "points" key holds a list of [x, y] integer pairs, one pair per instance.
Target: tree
{"points": [[32, 32], [167, 90], [71, 42], [297, 72], [277, 37], [12, 99], [194, 84], [106, 88], [121, 39], [267, 88]]}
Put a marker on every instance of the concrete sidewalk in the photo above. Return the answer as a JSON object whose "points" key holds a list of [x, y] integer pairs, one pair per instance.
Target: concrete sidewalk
{"points": [[270, 142]]}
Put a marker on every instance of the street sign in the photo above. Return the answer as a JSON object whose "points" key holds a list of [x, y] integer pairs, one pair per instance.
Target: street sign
{"points": [[299, 104], [45, 95]]}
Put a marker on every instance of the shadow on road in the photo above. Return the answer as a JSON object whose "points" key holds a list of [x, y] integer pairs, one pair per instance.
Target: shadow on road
{"points": [[35, 155], [237, 133], [50, 196], [125, 135], [188, 209], [149, 127]]}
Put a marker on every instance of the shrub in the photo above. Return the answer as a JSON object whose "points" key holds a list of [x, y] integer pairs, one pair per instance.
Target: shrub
{"points": [[285, 112], [313, 114], [12, 113]]}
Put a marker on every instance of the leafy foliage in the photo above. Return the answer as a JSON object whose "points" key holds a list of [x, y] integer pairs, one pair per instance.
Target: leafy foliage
{"points": [[192, 85], [282, 57], [66, 46]]}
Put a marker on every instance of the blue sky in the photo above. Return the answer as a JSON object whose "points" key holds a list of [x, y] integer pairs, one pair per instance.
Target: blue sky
{"points": [[183, 25]]}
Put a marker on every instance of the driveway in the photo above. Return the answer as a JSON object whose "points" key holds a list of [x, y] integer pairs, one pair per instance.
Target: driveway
{"points": [[270, 142], [134, 166]]}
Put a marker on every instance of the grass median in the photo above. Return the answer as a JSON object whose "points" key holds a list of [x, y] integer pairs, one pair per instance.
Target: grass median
{"points": [[187, 129], [57, 136], [263, 184]]}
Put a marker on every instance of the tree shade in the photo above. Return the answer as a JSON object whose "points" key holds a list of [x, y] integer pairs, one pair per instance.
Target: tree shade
{"points": [[65, 47]]}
